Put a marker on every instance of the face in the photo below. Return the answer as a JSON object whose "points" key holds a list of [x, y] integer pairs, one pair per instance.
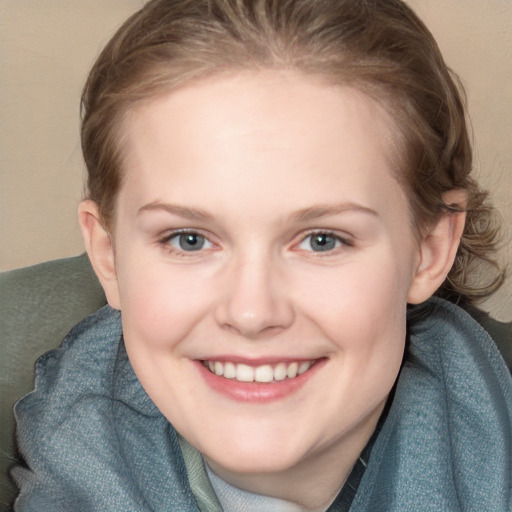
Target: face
{"points": [[263, 256]]}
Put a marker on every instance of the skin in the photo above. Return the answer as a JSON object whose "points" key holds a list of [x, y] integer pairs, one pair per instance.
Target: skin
{"points": [[254, 163]]}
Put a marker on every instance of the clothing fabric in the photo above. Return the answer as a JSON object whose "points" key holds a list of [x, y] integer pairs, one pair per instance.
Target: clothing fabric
{"points": [[93, 440], [233, 499]]}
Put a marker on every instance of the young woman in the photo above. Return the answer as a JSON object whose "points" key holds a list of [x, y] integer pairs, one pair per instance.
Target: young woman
{"points": [[276, 189]]}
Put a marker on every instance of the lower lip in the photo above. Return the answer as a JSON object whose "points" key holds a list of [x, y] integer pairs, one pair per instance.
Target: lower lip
{"points": [[257, 391]]}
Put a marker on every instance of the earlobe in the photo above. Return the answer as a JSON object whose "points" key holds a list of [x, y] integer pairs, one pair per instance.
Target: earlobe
{"points": [[438, 249], [100, 250]]}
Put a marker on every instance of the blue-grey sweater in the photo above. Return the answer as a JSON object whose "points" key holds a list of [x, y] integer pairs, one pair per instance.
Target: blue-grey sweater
{"points": [[94, 441]]}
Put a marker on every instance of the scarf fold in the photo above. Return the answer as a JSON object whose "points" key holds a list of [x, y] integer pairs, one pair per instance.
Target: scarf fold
{"points": [[93, 440], [447, 442]]}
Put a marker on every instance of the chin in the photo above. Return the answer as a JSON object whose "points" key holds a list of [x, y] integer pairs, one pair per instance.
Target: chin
{"points": [[252, 464], [255, 456]]}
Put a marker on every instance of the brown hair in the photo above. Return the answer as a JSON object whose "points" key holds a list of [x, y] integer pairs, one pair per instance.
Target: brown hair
{"points": [[378, 46]]}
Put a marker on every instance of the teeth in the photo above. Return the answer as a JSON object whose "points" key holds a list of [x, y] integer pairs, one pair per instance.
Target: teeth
{"points": [[304, 367], [229, 371], [244, 373], [280, 372], [292, 370], [263, 373], [218, 368]]}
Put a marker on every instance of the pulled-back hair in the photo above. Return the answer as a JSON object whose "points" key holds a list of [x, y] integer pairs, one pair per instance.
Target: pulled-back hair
{"points": [[377, 46]]}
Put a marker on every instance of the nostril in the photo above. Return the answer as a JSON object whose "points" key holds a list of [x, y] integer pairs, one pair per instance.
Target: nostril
{"points": [[253, 305], [230, 328]]}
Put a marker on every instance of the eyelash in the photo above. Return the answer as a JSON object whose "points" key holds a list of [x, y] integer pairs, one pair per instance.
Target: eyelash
{"points": [[344, 242], [340, 241], [165, 242]]}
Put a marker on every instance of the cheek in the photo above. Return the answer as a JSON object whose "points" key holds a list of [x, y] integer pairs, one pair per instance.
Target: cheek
{"points": [[361, 306], [369, 329], [360, 287], [160, 304]]}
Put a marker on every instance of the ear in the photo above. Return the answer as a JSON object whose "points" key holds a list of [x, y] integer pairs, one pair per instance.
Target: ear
{"points": [[438, 249], [100, 249]]}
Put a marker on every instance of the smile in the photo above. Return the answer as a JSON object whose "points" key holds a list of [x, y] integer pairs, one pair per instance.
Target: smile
{"points": [[264, 373]]}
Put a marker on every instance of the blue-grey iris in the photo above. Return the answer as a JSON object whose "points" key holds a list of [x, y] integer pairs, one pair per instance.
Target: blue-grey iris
{"points": [[191, 241], [322, 242]]}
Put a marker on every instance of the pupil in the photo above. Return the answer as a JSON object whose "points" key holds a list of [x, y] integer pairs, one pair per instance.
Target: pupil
{"points": [[322, 242], [191, 242]]}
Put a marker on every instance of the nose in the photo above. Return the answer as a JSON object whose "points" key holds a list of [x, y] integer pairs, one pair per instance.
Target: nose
{"points": [[255, 302]]}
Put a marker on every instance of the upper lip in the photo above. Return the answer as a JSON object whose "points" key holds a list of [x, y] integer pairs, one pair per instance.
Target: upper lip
{"points": [[258, 361]]}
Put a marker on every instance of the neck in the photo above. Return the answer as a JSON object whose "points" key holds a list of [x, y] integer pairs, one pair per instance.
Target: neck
{"points": [[316, 480]]}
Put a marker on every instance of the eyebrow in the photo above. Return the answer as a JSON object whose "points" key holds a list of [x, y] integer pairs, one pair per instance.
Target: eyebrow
{"points": [[185, 212], [318, 211], [304, 215]]}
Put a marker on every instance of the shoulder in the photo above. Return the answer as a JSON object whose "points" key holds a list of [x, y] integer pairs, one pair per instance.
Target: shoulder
{"points": [[460, 358], [81, 364], [444, 333], [88, 424], [449, 421], [68, 382]]}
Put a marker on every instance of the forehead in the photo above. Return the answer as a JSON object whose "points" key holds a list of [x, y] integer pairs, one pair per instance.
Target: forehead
{"points": [[291, 99], [280, 130]]}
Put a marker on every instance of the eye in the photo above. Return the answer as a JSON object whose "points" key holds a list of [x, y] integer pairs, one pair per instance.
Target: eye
{"points": [[188, 241], [321, 242]]}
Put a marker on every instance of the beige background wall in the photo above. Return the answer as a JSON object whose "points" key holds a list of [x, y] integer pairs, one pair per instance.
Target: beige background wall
{"points": [[47, 47]]}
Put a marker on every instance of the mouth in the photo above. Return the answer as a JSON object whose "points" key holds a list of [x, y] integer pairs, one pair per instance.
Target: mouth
{"points": [[265, 373], [258, 382]]}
